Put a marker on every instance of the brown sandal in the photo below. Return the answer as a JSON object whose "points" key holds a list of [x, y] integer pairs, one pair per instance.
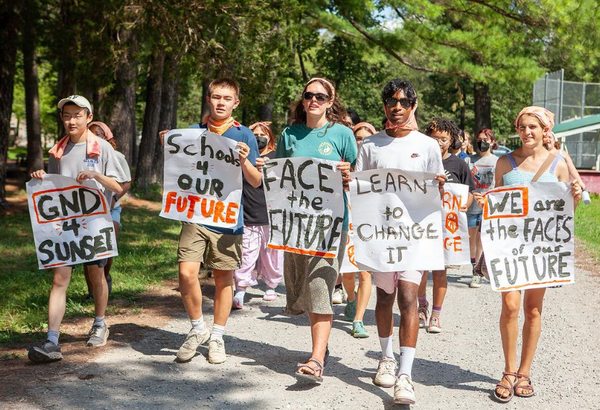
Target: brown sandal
{"points": [[510, 388], [524, 383], [314, 377]]}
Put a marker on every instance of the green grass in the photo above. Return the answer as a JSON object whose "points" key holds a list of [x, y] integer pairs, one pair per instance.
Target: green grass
{"points": [[14, 151], [587, 225], [147, 255]]}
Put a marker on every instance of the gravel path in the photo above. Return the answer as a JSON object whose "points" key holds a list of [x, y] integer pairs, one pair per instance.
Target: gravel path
{"points": [[453, 370]]}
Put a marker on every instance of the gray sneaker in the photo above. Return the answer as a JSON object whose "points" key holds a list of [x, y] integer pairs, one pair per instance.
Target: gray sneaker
{"points": [[386, 373], [216, 351], [46, 353], [188, 349], [98, 336], [475, 281]]}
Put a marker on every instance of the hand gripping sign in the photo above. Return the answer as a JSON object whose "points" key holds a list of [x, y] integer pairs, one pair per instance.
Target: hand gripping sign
{"points": [[71, 222], [202, 178], [527, 236], [305, 205], [397, 220]]}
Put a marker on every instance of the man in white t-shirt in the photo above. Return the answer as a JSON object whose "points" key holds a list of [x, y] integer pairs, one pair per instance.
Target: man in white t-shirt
{"points": [[399, 146]]}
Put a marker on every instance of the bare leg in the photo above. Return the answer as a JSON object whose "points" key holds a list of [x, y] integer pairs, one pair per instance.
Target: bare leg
{"points": [[349, 281], [363, 295], [320, 329], [409, 317], [440, 286], [423, 285], [384, 313], [189, 286], [223, 295], [532, 328], [58, 297], [100, 289], [473, 240], [509, 331]]}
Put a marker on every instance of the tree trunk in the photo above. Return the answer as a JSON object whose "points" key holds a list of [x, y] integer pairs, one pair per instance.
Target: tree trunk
{"points": [[9, 21], [168, 111], [35, 159], [483, 107], [122, 119], [266, 111], [205, 110], [143, 174]]}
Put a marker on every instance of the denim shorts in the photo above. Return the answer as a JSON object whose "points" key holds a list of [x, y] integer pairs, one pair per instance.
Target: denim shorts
{"points": [[116, 214], [473, 220]]}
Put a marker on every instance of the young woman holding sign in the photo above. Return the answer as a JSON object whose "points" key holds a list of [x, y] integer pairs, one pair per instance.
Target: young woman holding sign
{"points": [[318, 131], [268, 262], [533, 125]]}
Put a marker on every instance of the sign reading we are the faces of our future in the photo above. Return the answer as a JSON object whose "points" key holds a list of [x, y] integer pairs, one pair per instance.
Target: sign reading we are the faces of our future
{"points": [[71, 222], [202, 178], [527, 236], [305, 205], [397, 221]]}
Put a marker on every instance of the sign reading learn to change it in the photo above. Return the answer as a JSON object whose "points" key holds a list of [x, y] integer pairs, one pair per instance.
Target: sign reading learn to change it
{"points": [[397, 221], [71, 222], [456, 231], [305, 205], [203, 178], [527, 236]]}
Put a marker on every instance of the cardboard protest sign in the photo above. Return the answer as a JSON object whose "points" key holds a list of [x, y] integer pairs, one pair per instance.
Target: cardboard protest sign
{"points": [[456, 231], [305, 205], [397, 220], [202, 178], [71, 222], [527, 235]]}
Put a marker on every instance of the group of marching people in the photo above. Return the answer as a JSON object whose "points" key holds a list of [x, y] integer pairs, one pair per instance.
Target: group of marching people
{"points": [[321, 128]]}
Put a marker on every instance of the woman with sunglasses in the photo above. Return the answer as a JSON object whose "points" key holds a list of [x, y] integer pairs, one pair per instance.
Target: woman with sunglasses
{"points": [[318, 131], [533, 125]]}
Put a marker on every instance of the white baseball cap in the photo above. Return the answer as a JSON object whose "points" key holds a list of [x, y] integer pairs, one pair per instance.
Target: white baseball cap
{"points": [[77, 100]]}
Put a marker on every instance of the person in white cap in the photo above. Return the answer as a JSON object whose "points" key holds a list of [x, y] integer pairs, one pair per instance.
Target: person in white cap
{"points": [[83, 156]]}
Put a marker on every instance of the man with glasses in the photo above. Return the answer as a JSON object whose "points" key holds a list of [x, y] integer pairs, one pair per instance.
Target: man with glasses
{"points": [[399, 146]]}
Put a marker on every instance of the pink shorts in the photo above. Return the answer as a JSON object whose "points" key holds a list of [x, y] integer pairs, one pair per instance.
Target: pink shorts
{"points": [[388, 281]]}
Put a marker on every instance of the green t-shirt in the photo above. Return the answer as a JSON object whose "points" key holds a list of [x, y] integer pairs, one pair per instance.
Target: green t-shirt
{"points": [[335, 143]]}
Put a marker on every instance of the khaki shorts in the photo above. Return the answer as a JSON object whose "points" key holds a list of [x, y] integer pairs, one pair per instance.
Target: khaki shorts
{"points": [[223, 251]]}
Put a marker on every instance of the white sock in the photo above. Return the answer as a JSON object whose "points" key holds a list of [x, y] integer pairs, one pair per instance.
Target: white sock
{"points": [[198, 324], [53, 336], [99, 321], [387, 346], [217, 332], [407, 356]]}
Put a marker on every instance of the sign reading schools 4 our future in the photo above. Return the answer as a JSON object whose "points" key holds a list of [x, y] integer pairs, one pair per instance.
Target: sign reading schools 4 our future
{"points": [[202, 178], [71, 222], [527, 236], [305, 205], [397, 221]]}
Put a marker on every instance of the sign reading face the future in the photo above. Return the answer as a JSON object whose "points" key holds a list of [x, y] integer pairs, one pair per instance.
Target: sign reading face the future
{"points": [[71, 222], [305, 205], [397, 221], [202, 178], [527, 235]]}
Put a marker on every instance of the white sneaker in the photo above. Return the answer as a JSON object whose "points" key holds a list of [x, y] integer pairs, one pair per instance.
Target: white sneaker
{"points": [[386, 373], [404, 391], [216, 351], [338, 296], [188, 349], [475, 281]]}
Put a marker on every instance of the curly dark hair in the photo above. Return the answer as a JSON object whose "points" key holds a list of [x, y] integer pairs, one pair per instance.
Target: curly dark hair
{"points": [[396, 85], [335, 114], [443, 125]]}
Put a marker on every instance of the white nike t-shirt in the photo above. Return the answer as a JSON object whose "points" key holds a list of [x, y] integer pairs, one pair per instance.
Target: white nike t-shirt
{"points": [[414, 152]]}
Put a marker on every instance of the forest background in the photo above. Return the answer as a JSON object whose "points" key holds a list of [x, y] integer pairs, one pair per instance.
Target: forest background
{"points": [[146, 65]]}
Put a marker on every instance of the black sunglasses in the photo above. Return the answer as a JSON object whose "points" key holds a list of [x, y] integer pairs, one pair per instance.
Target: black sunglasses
{"points": [[404, 102], [319, 96]]}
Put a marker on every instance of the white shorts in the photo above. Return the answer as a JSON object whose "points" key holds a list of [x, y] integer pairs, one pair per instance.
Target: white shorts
{"points": [[388, 281]]}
